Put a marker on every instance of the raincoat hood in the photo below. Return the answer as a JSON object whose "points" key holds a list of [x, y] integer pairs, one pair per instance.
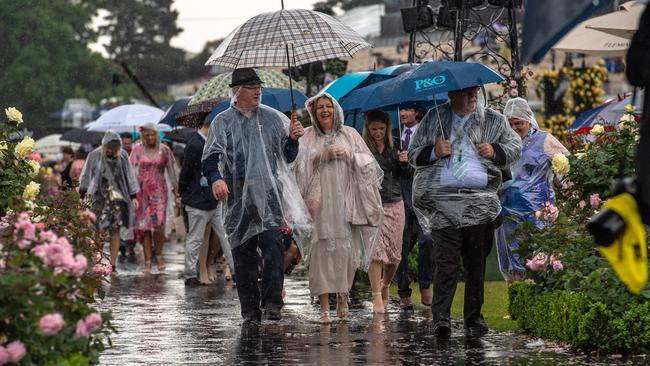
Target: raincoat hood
{"points": [[110, 136], [337, 116], [519, 108]]}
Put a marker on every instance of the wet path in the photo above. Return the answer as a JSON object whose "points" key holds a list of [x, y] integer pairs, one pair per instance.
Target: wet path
{"points": [[161, 322]]}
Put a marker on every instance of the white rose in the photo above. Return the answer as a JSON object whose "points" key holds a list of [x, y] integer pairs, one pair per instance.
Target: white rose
{"points": [[34, 167], [3, 148], [597, 130], [31, 191], [25, 147], [14, 115]]}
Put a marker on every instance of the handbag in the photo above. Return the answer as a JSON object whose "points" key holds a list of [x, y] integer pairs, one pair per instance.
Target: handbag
{"points": [[114, 194]]}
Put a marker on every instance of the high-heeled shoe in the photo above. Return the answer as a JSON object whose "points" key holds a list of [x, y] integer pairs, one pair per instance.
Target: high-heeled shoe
{"points": [[160, 263], [342, 309], [377, 303], [325, 317]]}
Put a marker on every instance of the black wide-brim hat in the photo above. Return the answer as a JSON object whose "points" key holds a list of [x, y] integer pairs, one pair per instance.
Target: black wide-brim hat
{"points": [[245, 76]]}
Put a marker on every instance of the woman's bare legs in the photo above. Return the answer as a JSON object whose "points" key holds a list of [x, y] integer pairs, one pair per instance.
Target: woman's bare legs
{"points": [[159, 241], [374, 272], [389, 273], [146, 249], [324, 308]]}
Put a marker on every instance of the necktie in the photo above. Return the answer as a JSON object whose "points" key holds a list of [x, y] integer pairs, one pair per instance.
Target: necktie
{"points": [[460, 161], [407, 137]]}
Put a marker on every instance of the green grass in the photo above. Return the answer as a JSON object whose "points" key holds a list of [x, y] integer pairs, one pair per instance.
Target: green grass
{"points": [[495, 307]]}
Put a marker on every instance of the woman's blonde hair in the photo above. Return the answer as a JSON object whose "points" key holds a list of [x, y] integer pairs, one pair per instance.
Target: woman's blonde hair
{"points": [[377, 115]]}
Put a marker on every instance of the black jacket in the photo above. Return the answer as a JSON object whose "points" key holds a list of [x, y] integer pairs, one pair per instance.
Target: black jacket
{"points": [[194, 194]]}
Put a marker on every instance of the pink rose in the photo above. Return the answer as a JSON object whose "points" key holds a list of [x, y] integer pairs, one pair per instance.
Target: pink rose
{"points": [[27, 228], [47, 235], [102, 269], [89, 215], [582, 204], [82, 330], [79, 266], [16, 350], [595, 201], [556, 264], [5, 357], [93, 322], [538, 262], [24, 244], [51, 324], [97, 257]]}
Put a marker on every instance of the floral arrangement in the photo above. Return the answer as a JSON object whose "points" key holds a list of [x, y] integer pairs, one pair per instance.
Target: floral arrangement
{"points": [[586, 87], [50, 267]]}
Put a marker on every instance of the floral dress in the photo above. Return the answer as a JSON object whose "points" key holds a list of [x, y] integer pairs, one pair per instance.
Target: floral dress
{"points": [[111, 214], [151, 166]]}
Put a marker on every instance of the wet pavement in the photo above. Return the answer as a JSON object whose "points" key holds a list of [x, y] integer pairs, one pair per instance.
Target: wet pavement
{"points": [[161, 322]]}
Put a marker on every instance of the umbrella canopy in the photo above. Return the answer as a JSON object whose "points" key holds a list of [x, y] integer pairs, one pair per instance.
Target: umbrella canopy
{"points": [[83, 136], [622, 23], [52, 144], [592, 42], [127, 118], [363, 99], [194, 114], [276, 98], [218, 87], [429, 79], [181, 134], [308, 36], [169, 118], [342, 86]]}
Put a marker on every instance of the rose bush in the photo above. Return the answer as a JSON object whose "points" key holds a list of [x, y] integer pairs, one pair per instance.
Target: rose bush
{"points": [[47, 254], [564, 263]]}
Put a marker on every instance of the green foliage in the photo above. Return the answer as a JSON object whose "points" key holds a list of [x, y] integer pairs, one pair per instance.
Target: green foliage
{"points": [[581, 320]]}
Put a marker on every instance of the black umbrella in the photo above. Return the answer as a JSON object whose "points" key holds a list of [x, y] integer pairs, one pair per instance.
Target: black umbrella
{"points": [[181, 134], [169, 118], [83, 136]]}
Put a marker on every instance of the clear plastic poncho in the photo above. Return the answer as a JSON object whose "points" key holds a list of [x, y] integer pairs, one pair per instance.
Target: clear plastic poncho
{"points": [[460, 190], [530, 188], [263, 191], [342, 194], [117, 172]]}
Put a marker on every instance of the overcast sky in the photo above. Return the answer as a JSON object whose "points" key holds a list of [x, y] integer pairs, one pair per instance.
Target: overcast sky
{"points": [[207, 20]]}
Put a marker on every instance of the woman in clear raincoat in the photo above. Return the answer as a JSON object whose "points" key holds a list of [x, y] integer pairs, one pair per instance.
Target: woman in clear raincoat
{"points": [[531, 185], [109, 182], [339, 179]]}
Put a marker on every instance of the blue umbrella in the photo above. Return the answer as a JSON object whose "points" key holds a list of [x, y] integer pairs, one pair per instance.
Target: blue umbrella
{"points": [[169, 118], [342, 86], [397, 69], [276, 98], [429, 79], [604, 114]]}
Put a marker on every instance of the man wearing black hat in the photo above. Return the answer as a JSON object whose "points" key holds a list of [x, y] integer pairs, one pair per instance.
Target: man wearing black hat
{"points": [[248, 148], [458, 153]]}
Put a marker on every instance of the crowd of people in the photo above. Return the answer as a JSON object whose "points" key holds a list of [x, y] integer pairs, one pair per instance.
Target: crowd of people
{"points": [[261, 190]]}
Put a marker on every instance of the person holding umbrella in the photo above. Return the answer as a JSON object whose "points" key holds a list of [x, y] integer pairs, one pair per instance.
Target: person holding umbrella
{"points": [[246, 154], [458, 152]]}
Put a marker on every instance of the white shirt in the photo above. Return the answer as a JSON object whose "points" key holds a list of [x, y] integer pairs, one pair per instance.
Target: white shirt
{"points": [[412, 129], [202, 135]]}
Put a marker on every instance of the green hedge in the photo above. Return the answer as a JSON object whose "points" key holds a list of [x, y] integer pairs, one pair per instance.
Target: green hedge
{"points": [[585, 323]]}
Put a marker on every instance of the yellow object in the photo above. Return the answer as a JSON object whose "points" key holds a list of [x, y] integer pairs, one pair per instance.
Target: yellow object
{"points": [[629, 253]]}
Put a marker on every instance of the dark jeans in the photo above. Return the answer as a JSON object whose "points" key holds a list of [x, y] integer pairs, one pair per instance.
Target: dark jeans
{"points": [[472, 245], [246, 260], [413, 232]]}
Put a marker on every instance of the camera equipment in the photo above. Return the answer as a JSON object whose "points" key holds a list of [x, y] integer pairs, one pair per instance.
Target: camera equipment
{"points": [[607, 225]]}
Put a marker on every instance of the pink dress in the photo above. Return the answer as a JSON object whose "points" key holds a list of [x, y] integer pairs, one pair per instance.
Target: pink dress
{"points": [[150, 169]]}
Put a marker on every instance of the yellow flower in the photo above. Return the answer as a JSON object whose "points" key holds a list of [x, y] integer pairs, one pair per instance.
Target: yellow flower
{"points": [[25, 147], [31, 191], [14, 115], [560, 164], [580, 155], [597, 130], [35, 168], [629, 108], [601, 62]]}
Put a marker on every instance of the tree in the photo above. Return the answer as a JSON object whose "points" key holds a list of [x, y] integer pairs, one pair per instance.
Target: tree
{"points": [[44, 56], [140, 33]]}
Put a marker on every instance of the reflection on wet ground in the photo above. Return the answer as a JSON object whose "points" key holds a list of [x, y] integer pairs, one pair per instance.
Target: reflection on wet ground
{"points": [[160, 321]]}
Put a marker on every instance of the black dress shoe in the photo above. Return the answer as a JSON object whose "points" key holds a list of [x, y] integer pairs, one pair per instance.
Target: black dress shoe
{"points": [[476, 328], [442, 328], [192, 282], [273, 313]]}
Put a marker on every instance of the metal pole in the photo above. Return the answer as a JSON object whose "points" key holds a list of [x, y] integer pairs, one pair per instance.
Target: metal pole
{"points": [[458, 32], [514, 47], [282, 3], [412, 38], [137, 82]]}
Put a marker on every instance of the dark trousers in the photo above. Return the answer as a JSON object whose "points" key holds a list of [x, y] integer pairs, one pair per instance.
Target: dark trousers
{"points": [[246, 258], [472, 245], [412, 233]]}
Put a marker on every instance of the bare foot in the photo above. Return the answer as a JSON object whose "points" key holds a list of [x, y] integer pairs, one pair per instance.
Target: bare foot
{"points": [[377, 304]]}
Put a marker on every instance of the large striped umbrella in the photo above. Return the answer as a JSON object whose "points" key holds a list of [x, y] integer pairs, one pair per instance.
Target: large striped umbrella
{"points": [[217, 87]]}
